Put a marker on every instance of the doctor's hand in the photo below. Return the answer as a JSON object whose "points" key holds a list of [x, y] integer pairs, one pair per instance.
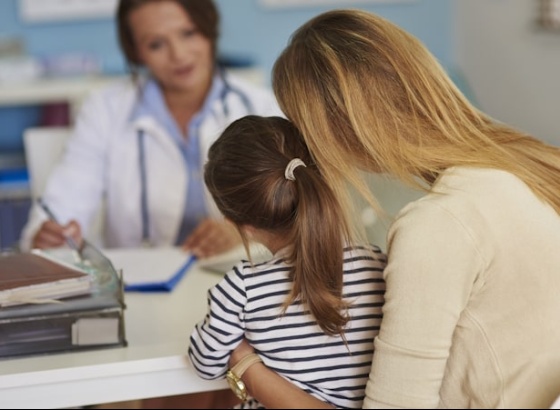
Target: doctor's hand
{"points": [[53, 235], [212, 237]]}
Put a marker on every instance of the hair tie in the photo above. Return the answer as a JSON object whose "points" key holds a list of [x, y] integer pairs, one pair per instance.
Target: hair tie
{"points": [[292, 165]]}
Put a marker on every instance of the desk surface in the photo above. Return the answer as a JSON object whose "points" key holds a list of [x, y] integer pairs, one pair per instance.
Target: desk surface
{"points": [[154, 364]]}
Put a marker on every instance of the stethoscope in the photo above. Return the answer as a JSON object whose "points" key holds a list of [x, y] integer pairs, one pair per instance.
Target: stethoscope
{"points": [[141, 136]]}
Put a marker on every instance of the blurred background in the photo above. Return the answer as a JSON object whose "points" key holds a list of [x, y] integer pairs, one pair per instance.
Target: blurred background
{"points": [[503, 54]]}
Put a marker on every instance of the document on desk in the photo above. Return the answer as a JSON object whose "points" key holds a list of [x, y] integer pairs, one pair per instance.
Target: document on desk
{"points": [[225, 262], [157, 269]]}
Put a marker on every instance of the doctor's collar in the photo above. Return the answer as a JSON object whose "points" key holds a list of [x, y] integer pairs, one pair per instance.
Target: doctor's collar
{"points": [[151, 102]]}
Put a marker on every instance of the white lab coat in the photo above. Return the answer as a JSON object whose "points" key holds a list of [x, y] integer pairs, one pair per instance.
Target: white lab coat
{"points": [[101, 162]]}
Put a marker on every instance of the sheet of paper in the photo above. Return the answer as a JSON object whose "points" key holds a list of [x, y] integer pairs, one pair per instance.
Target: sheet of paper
{"points": [[225, 262], [148, 266]]}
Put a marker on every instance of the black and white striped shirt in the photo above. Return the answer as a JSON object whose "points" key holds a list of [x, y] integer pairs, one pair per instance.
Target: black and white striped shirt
{"points": [[247, 304]]}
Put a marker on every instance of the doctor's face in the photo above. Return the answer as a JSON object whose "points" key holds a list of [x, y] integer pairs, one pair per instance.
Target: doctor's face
{"points": [[170, 45]]}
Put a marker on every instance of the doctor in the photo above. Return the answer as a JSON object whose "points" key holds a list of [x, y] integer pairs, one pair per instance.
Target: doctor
{"points": [[140, 145]]}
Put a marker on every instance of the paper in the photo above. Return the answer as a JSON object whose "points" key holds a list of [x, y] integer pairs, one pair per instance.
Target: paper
{"points": [[151, 269], [225, 262]]}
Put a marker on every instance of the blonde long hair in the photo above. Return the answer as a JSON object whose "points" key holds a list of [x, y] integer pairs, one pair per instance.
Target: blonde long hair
{"points": [[367, 95]]}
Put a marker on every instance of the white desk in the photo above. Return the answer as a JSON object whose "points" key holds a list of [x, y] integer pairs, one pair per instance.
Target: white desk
{"points": [[154, 364]]}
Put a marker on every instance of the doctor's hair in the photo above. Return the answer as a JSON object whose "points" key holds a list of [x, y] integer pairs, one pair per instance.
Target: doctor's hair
{"points": [[377, 100], [203, 13], [245, 174]]}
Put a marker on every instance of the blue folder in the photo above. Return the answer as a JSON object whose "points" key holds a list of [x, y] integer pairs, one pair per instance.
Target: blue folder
{"points": [[166, 286]]}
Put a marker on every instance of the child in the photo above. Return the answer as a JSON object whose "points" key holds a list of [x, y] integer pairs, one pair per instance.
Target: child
{"points": [[312, 311]]}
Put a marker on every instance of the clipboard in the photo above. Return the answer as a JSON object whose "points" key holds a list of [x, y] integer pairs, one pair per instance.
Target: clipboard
{"points": [[149, 271], [162, 286]]}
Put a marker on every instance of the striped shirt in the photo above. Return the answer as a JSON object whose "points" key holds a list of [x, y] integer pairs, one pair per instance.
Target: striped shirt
{"points": [[247, 303]]}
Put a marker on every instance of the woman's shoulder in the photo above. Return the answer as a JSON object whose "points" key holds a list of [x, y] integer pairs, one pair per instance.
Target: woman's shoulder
{"points": [[120, 88], [475, 180], [253, 87], [461, 204], [113, 100], [459, 189], [252, 80]]}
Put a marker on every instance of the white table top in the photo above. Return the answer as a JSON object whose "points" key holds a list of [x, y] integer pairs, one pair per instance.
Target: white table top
{"points": [[158, 326]]}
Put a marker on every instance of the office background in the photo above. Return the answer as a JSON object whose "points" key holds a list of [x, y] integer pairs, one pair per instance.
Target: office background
{"points": [[251, 32], [493, 49]]}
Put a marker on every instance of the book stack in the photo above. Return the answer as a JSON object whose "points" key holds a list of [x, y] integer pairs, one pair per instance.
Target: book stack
{"points": [[35, 278], [49, 303]]}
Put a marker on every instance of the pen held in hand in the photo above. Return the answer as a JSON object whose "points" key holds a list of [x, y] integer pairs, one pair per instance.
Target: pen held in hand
{"points": [[69, 240]]}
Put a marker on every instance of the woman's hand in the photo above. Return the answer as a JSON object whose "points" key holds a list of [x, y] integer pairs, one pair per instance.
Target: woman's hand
{"points": [[53, 235], [212, 237]]}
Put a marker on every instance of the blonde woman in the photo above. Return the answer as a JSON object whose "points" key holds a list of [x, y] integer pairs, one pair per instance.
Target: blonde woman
{"points": [[473, 279]]}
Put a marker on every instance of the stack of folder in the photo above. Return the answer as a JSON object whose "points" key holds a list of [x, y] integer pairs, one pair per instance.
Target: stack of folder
{"points": [[35, 278], [83, 308]]}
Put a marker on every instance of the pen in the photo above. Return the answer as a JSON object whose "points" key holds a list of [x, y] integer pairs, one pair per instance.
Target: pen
{"points": [[69, 240]]}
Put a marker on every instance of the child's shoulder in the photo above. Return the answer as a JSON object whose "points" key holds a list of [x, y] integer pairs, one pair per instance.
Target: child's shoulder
{"points": [[364, 257], [246, 268], [367, 250]]}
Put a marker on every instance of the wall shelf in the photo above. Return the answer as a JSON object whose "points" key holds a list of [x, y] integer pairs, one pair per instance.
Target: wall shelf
{"points": [[43, 91], [75, 89], [55, 10]]}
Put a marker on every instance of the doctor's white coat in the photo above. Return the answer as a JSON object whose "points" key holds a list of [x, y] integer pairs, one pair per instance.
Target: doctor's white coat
{"points": [[101, 164]]}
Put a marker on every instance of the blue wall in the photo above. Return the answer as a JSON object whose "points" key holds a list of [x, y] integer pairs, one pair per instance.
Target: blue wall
{"points": [[249, 30]]}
